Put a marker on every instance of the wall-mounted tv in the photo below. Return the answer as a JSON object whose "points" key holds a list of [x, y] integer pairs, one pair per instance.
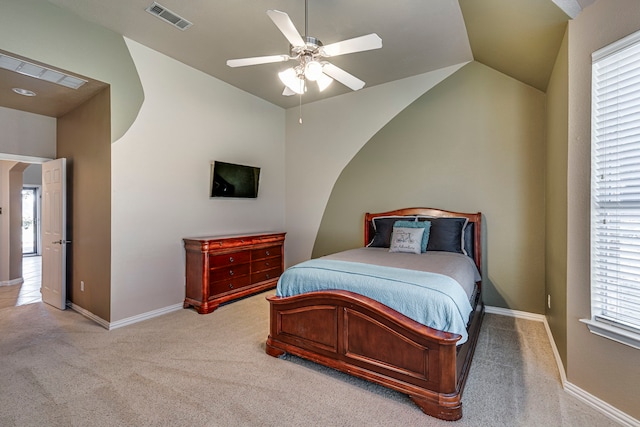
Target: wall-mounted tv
{"points": [[231, 180]]}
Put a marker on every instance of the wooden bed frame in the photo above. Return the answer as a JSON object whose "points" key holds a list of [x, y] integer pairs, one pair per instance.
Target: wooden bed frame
{"points": [[364, 338]]}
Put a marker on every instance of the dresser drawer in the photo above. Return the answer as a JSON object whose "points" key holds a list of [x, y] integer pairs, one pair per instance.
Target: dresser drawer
{"points": [[229, 259], [229, 285], [266, 264], [269, 251], [224, 273], [261, 276]]}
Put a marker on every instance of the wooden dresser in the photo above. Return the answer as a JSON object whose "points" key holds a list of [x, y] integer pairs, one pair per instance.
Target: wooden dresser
{"points": [[220, 269]]}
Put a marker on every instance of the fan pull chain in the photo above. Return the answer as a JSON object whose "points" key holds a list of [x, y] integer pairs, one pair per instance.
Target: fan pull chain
{"points": [[300, 111]]}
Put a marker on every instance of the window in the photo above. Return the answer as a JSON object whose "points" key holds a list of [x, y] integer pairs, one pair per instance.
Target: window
{"points": [[615, 192]]}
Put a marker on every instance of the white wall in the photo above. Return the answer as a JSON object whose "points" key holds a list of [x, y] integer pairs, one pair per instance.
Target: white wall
{"points": [[33, 175], [23, 137], [27, 134], [161, 172], [333, 131]]}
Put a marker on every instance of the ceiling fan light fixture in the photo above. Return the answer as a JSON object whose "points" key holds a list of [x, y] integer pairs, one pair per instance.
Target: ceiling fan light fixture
{"points": [[323, 81], [313, 70], [291, 80], [309, 52]]}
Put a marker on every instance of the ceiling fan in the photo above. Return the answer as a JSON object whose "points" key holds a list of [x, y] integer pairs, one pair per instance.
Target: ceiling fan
{"points": [[310, 54]]}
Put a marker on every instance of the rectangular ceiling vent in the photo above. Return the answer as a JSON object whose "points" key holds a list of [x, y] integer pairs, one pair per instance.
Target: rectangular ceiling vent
{"points": [[43, 73], [168, 16]]}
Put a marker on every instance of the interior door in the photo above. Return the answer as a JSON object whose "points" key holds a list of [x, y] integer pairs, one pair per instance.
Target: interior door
{"points": [[54, 233]]}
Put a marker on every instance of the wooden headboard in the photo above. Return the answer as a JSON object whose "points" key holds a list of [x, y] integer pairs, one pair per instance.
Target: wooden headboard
{"points": [[474, 218]]}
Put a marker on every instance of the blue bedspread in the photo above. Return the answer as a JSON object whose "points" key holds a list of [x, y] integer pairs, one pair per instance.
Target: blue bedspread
{"points": [[435, 300]]}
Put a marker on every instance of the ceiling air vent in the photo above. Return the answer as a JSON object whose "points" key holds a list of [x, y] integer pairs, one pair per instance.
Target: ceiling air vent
{"points": [[39, 72], [168, 16]]}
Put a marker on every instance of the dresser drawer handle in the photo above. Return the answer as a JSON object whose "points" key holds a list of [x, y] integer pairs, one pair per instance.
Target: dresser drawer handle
{"points": [[267, 264], [268, 277], [230, 272], [268, 253], [230, 259], [230, 285]]}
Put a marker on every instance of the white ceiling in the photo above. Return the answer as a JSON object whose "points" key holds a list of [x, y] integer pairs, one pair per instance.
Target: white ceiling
{"points": [[418, 36]]}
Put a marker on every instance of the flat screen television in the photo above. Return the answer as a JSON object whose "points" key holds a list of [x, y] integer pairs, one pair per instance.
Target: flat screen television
{"points": [[231, 180]]}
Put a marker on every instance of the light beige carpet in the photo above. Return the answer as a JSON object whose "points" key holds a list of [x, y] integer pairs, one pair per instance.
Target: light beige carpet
{"points": [[58, 368], [9, 295]]}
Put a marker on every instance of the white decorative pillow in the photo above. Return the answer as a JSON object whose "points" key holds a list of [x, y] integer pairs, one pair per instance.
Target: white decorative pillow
{"points": [[406, 240]]}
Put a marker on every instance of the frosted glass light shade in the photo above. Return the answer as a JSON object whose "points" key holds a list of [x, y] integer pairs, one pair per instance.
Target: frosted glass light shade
{"points": [[323, 81], [313, 70], [291, 80]]}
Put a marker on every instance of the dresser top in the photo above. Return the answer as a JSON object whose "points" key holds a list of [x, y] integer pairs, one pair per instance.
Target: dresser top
{"points": [[248, 237]]}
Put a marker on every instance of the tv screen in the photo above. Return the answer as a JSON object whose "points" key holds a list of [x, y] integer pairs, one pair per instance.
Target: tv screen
{"points": [[231, 180]]}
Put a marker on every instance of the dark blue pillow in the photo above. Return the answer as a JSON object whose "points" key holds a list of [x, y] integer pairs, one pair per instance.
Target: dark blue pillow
{"points": [[446, 234], [383, 226]]}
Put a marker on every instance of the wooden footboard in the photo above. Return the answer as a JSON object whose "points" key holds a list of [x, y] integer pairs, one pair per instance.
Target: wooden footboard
{"points": [[362, 337]]}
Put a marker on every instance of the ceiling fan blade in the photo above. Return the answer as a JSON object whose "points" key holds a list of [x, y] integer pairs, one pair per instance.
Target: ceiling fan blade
{"points": [[358, 44], [243, 62], [343, 77], [285, 25]]}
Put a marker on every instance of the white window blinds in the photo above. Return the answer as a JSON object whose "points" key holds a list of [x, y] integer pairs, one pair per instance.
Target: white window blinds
{"points": [[615, 186]]}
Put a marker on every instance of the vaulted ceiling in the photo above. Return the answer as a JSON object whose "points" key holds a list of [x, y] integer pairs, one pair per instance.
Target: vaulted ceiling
{"points": [[519, 38]]}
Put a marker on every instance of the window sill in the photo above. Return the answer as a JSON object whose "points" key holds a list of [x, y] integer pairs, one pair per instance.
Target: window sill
{"points": [[613, 333]]}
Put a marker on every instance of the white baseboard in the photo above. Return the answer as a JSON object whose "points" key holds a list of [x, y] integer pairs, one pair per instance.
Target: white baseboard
{"points": [[556, 354], [600, 405], [89, 315], [514, 313], [585, 397], [124, 322], [145, 316], [12, 282]]}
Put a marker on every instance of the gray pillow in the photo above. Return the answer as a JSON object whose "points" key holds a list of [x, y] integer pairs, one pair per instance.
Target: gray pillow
{"points": [[406, 239]]}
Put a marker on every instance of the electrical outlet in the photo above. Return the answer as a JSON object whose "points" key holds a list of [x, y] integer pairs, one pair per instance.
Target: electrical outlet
{"points": [[549, 301], [82, 285]]}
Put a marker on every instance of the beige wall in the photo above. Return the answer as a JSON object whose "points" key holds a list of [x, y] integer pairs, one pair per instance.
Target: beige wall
{"points": [[15, 220], [84, 139], [5, 216], [555, 218], [11, 221], [462, 148], [604, 368], [316, 152]]}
